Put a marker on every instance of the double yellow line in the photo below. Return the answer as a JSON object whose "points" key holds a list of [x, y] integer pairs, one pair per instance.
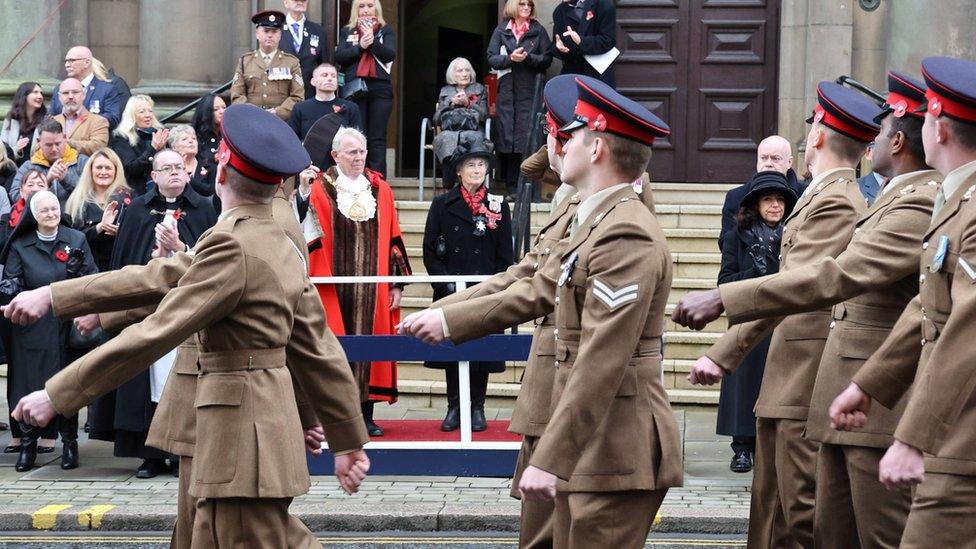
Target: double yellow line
{"points": [[91, 517]]}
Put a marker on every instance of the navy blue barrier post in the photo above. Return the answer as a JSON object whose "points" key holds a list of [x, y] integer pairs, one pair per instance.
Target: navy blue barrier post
{"points": [[472, 458]]}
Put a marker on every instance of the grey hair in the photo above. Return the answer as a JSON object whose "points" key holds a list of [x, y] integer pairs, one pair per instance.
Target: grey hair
{"points": [[449, 76], [344, 133], [177, 132]]}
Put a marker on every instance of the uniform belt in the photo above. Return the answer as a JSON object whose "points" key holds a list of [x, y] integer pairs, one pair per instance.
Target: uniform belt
{"points": [[930, 330], [645, 347], [869, 315], [236, 361]]}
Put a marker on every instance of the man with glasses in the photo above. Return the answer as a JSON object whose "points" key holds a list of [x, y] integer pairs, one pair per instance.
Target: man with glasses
{"points": [[100, 96], [85, 131]]}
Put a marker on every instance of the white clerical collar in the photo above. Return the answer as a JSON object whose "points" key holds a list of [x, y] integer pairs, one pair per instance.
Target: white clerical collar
{"points": [[587, 206], [170, 200]]}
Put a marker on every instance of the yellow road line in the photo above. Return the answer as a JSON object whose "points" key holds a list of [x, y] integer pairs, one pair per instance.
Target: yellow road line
{"points": [[92, 517], [45, 517]]}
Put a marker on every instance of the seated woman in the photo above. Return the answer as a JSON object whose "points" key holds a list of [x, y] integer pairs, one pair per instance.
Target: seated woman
{"points": [[468, 232], [751, 251], [39, 252], [462, 108]]}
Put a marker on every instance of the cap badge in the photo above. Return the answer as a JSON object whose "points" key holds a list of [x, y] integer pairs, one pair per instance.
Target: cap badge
{"points": [[935, 107], [900, 108], [271, 18], [598, 124], [818, 114]]}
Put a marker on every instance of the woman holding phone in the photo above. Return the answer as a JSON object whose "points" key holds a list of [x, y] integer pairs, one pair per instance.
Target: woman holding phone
{"points": [[519, 51]]}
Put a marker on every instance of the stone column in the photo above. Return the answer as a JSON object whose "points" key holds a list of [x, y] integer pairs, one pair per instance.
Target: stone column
{"points": [[43, 59], [869, 46], [921, 29], [186, 46], [792, 70]]}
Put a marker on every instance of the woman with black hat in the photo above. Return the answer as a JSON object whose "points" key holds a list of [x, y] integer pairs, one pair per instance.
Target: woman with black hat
{"points": [[40, 251], [750, 251], [468, 232]]}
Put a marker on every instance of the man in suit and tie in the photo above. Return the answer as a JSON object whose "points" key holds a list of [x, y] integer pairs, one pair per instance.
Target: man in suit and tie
{"points": [[304, 39], [101, 97], [581, 28]]}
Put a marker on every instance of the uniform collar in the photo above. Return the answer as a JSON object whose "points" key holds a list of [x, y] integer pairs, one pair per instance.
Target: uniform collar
{"points": [[829, 175], [955, 179], [587, 206], [899, 179]]}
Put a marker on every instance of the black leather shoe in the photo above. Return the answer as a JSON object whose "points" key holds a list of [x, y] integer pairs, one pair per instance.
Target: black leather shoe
{"points": [[452, 420], [174, 467], [12, 448], [69, 455], [149, 468], [478, 421], [28, 455], [741, 462], [373, 429], [45, 449]]}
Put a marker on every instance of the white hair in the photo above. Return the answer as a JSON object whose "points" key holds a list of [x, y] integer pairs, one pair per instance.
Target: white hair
{"points": [[177, 132], [455, 64], [344, 133]]}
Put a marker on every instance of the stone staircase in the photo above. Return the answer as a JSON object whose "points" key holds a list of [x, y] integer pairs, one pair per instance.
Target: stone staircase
{"points": [[691, 217]]}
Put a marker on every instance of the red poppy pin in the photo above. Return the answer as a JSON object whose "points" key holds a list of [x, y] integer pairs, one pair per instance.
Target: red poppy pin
{"points": [[589, 15], [473, 98], [336, 108], [127, 201], [177, 214], [62, 255]]}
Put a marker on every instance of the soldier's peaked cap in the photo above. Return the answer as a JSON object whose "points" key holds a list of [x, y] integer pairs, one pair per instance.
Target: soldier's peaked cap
{"points": [[260, 145], [846, 111], [603, 109], [952, 88], [269, 18], [560, 97], [905, 94]]}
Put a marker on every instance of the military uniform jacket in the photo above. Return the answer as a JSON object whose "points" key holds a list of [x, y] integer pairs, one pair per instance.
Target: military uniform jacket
{"points": [[173, 428], [876, 277], [611, 427], [820, 226], [242, 294], [277, 85], [934, 337]]}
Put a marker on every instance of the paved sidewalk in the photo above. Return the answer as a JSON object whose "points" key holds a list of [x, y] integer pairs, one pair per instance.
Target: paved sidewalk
{"points": [[103, 493]]}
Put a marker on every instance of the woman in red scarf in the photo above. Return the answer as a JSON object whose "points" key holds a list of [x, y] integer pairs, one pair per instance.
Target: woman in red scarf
{"points": [[366, 51], [468, 232]]}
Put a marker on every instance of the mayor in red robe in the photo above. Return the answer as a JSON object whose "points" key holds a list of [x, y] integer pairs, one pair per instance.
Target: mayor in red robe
{"points": [[350, 222]]}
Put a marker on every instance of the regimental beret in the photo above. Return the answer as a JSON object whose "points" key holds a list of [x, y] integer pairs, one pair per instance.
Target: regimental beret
{"points": [[260, 145], [560, 97], [905, 94], [846, 111], [952, 88], [603, 109], [269, 18]]}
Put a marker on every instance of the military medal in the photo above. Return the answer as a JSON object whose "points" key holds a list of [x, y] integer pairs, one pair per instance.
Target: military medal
{"points": [[480, 225], [95, 107], [940, 253], [313, 40], [567, 268]]}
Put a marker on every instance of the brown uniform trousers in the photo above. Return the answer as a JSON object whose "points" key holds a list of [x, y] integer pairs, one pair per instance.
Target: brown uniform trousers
{"points": [[821, 225], [617, 277], [277, 85], [280, 476], [870, 283], [940, 416]]}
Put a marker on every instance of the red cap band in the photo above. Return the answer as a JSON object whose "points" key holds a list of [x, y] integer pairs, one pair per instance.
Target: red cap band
{"points": [[600, 121], [554, 128], [938, 104], [831, 121], [902, 105], [226, 155]]}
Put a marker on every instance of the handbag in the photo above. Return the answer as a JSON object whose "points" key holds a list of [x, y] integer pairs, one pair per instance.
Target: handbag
{"points": [[459, 120], [354, 89]]}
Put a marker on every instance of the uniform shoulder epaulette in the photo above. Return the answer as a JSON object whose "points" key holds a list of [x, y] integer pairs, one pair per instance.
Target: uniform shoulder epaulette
{"points": [[907, 189], [969, 192], [286, 55]]}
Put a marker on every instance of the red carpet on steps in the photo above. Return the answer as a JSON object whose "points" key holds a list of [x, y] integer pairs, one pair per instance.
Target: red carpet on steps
{"points": [[404, 430]]}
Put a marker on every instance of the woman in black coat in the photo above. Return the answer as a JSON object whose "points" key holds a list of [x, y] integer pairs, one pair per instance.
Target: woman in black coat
{"points": [[520, 48], [750, 251], [468, 232], [39, 252], [207, 118], [365, 53]]}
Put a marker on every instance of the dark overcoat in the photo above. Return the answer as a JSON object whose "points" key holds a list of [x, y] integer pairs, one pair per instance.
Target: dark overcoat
{"points": [[513, 110], [598, 34], [451, 222]]}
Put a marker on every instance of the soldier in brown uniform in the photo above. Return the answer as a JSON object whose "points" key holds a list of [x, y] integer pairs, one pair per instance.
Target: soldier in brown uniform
{"points": [[821, 225], [935, 441], [610, 449], [240, 289], [875, 277], [268, 77]]}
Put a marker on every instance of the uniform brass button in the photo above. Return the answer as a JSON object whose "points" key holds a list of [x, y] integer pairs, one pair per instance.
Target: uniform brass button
{"points": [[781, 257], [925, 245], [923, 342], [264, 83], [557, 300], [547, 250], [542, 236], [832, 324], [555, 332], [264, 95], [921, 278], [535, 265]]}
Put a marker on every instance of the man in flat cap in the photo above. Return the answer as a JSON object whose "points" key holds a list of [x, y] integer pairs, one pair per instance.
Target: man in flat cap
{"points": [[869, 284], [930, 348], [268, 77], [245, 292], [611, 448], [821, 225]]}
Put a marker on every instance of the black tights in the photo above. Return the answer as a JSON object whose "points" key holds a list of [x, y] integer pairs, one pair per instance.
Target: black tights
{"points": [[479, 387]]}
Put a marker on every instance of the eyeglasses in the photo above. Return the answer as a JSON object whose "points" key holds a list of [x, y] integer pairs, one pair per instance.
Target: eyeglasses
{"points": [[166, 170], [75, 60], [775, 158]]}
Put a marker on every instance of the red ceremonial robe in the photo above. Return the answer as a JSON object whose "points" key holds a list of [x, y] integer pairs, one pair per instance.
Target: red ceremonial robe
{"points": [[390, 250]]}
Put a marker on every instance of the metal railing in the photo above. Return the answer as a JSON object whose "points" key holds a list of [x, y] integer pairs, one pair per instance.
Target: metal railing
{"points": [[193, 104]]}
